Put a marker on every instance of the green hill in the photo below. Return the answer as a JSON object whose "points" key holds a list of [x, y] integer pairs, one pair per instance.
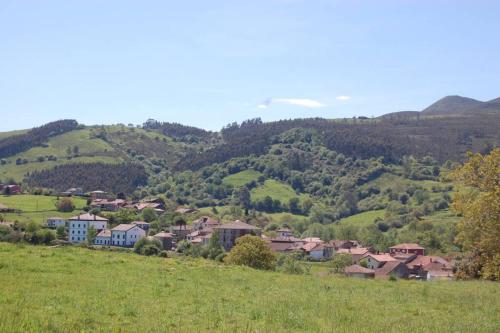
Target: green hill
{"points": [[113, 292]]}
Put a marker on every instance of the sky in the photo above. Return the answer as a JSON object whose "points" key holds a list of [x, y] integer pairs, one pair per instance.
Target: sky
{"points": [[210, 63]]}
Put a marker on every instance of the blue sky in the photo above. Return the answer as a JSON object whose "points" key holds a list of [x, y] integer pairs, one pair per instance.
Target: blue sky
{"points": [[209, 63]]}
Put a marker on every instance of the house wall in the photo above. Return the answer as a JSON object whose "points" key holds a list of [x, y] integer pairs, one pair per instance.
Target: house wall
{"points": [[55, 223], [316, 254], [102, 241], [133, 235], [372, 263], [227, 237]]}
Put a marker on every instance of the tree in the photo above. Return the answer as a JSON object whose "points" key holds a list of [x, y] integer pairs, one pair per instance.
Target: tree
{"points": [[294, 204], [76, 150], [244, 197], [341, 261], [61, 232], [251, 251], [65, 205], [91, 235], [478, 201], [149, 214]]}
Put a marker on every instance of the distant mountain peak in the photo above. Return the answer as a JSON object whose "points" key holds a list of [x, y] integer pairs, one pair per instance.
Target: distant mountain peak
{"points": [[459, 105]]}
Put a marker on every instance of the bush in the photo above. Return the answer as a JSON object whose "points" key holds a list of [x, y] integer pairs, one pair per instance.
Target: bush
{"points": [[65, 205], [251, 251], [148, 246], [163, 254], [341, 261]]}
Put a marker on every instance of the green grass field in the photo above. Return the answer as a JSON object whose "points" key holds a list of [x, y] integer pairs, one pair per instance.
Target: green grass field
{"points": [[76, 290], [36, 208], [275, 190], [90, 150], [363, 219], [242, 178]]}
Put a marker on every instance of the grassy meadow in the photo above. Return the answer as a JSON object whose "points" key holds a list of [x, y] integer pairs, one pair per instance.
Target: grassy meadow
{"points": [[276, 190], [74, 290], [36, 208], [241, 178]]}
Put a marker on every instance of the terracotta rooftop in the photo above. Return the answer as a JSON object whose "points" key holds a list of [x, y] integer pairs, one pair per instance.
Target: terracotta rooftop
{"points": [[387, 268], [407, 246], [425, 260], [237, 225], [381, 257], [104, 233], [354, 250], [353, 269], [124, 227], [87, 217]]}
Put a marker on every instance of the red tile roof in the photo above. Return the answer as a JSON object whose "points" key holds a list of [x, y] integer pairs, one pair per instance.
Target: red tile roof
{"points": [[356, 269], [407, 246], [104, 233], [124, 227], [237, 225], [354, 250], [381, 257], [387, 268]]}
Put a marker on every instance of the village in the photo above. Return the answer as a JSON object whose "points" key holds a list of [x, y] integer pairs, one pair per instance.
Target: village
{"points": [[403, 261]]}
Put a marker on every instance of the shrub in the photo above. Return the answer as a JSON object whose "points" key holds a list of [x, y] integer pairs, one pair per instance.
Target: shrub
{"points": [[252, 251], [65, 205], [148, 246], [341, 261]]}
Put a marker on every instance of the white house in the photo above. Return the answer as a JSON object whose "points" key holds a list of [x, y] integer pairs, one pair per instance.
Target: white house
{"points": [[103, 238], [126, 234], [79, 226], [54, 222]]}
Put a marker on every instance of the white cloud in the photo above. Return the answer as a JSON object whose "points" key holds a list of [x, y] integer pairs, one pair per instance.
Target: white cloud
{"points": [[343, 98], [304, 102]]}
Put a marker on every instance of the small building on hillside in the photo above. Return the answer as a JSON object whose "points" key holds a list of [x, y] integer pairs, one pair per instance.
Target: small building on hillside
{"points": [[438, 271], [54, 222], [98, 195], [108, 205], [228, 233], [103, 237], [375, 261], [79, 226], [205, 222], [339, 244], [10, 189], [180, 232], [284, 232], [392, 268], [356, 253], [359, 272], [166, 239], [318, 251], [407, 248], [126, 235]]}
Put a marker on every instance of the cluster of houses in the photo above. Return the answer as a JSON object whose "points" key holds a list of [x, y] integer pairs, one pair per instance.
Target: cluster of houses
{"points": [[402, 261]]}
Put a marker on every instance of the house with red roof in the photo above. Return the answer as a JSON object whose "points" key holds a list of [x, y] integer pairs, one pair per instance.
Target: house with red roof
{"points": [[359, 272], [406, 248]]}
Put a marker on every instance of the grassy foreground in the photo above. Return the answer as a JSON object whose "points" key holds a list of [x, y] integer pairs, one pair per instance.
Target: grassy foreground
{"points": [[72, 289]]}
